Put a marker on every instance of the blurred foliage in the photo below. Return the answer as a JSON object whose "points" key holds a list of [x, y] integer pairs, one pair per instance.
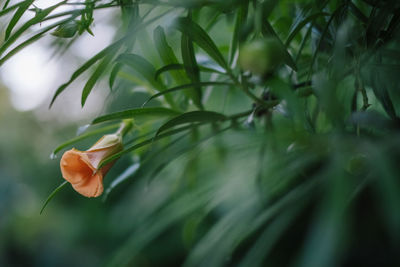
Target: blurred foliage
{"points": [[286, 157]]}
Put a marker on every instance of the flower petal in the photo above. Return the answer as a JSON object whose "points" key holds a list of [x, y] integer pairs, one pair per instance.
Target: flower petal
{"points": [[91, 187], [74, 168]]}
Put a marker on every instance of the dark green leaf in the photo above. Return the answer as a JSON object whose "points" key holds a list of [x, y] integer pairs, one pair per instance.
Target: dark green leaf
{"points": [[186, 86], [31, 40], [268, 7], [50, 197], [142, 66], [296, 28], [201, 38], [241, 17], [96, 75], [383, 96], [172, 67], [357, 12], [167, 54], [11, 8], [168, 57], [35, 20], [6, 4], [324, 34], [192, 117], [18, 14], [269, 31], [191, 68], [86, 66], [103, 53], [147, 70], [137, 112], [113, 75]]}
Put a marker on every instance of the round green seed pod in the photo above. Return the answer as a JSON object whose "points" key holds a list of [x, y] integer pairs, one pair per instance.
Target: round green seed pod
{"points": [[356, 164], [261, 56]]}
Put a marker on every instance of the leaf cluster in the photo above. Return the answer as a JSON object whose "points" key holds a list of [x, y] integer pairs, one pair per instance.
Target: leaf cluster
{"points": [[242, 168]]}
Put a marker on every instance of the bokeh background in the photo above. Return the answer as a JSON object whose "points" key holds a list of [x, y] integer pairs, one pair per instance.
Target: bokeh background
{"points": [[224, 194], [73, 230]]}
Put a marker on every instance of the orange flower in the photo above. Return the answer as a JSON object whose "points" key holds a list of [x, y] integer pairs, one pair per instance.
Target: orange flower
{"points": [[80, 168]]}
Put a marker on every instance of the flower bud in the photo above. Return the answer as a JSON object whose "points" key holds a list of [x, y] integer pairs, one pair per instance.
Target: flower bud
{"points": [[66, 30], [80, 168]]}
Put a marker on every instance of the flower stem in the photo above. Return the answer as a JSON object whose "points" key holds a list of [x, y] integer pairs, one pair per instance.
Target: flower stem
{"points": [[126, 126]]}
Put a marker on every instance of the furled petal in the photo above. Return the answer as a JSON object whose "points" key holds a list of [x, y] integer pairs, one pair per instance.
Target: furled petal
{"points": [[91, 187], [77, 168], [74, 168]]}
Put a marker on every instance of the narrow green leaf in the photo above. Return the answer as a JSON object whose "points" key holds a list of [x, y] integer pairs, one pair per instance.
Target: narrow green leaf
{"points": [[35, 20], [207, 69], [241, 17], [169, 67], [96, 75], [191, 69], [113, 75], [201, 38], [147, 70], [6, 4], [50, 197], [373, 3], [142, 66], [269, 31], [31, 40], [357, 12], [381, 92], [186, 86], [86, 66], [324, 33], [18, 14], [77, 12], [137, 112], [104, 52], [172, 67], [303, 43], [167, 54], [267, 7], [11, 8], [296, 28], [84, 136], [212, 18], [168, 57], [192, 117]]}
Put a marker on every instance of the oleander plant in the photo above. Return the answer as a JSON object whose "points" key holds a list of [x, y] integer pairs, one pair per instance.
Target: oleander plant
{"points": [[240, 132]]}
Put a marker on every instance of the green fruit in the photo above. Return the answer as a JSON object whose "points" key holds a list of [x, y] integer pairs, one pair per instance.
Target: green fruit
{"points": [[66, 30], [261, 56], [356, 164]]}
